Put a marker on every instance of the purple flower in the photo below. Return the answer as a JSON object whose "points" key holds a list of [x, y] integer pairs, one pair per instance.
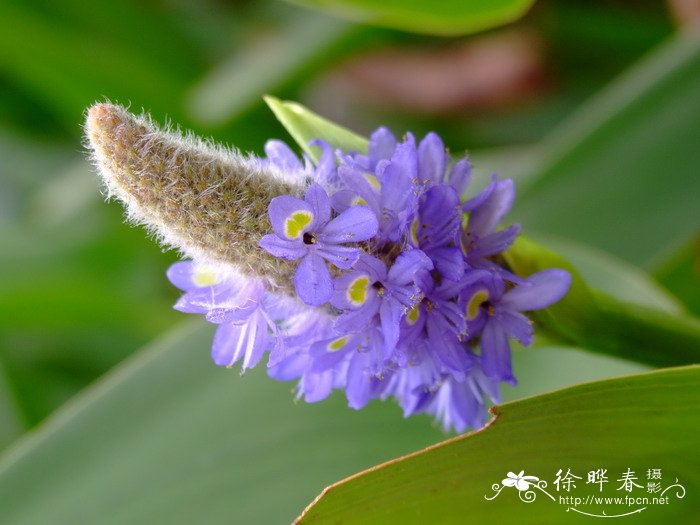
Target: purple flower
{"points": [[480, 239], [304, 230], [422, 307], [370, 289], [388, 186], [435, 230], [496, 313]]}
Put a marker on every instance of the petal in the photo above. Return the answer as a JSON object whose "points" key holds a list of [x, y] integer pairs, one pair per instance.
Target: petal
{"points": [[342, 257], [495, 353], [290, 217], [318, 199], [357, 223], [233, 342], [325, 173], [517, 326], [481, 197], [357, 320], [312, 280], [460, 176], [382, 144], [494, 243], [485, 218], [181, 275], [406, 266], [449, 262], [283, 248], [432, 159], [281, 156], [352, 290], [343, 199], [539, 290], [390, 314], [440, 216], [364, 184]]}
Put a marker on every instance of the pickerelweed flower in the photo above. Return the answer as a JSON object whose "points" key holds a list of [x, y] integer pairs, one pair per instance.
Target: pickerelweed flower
{"points": [[371, 273]]}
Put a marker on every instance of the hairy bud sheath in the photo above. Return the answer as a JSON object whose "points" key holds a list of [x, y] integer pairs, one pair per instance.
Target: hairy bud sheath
{"points": [[208, 201]]}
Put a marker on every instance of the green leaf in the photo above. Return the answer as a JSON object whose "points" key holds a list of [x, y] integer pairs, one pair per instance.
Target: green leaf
{"points": [[618, 278], [639, 422], [305, 125], [448, 17], [681, 274], [601, 323], [171, 438], [622, 173]]}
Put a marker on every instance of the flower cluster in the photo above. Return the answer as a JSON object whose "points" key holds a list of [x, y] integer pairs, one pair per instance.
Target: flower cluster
{"points": [[401, 290]]}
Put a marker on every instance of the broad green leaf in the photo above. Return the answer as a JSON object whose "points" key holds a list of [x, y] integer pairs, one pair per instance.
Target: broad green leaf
{"points": [[640, 422], [622, 173], [171, 438], [261, 64], [305, 125], [448, 17], [596, 321], [681, 274]]}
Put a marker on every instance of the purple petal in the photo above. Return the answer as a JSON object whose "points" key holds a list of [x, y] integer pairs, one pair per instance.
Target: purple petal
{"points": [[432, 159], [316, 386], [517, 326], [342, 257], [481, 197], [354, 280], [325, 173], [357, 223], [381, 146], [180, 274], [390, 314], [495, 353], [407, 264], [343, 199], [283, 248], [366, 185], [399, 178], [460, 176], [312, 280], [318, 199], [357, 320], [290, 217], [440, 216], [246, 341], [494, 243], [486, 217], [281, 156], [539, 290], [449, 262]]}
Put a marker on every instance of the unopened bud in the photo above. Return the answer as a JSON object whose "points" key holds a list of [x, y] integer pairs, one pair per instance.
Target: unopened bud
{"points": [[207, 201]]}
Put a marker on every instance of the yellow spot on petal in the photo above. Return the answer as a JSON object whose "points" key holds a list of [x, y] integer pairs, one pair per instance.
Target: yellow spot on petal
{"points": [[414, 232], [357, 291], [337, 344], [358, 201], [204, 276], [413, 315], [479, 298], [294, 224], [372, 181]]}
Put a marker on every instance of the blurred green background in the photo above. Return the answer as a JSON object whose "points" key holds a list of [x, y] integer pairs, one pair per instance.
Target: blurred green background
{"points": [[594, 108]]}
